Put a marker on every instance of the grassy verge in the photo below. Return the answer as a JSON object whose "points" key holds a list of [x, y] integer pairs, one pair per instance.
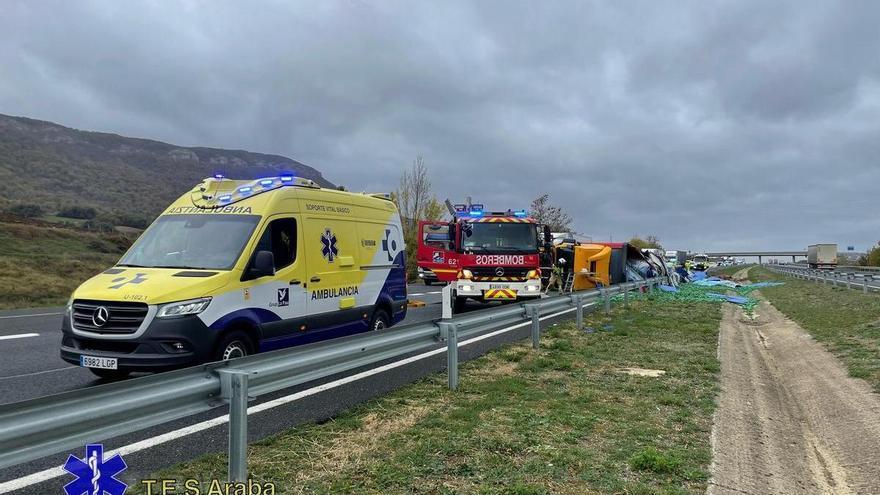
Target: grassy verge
{"points": [[41, 266], [847, 322], [728, 271], [561, 420]]}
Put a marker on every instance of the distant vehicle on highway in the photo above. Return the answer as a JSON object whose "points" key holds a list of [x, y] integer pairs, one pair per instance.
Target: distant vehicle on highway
{"points": [[427, 276], [675, 258], [822, 256], [237, 267], [700, 262]]}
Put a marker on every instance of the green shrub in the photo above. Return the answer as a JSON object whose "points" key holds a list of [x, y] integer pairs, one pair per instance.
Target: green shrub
{"points": [[80, 212], [25, 210]]}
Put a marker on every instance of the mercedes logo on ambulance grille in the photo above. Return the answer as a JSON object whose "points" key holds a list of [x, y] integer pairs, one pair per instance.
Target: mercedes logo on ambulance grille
{"points": [[101, 316], [499, 272]]}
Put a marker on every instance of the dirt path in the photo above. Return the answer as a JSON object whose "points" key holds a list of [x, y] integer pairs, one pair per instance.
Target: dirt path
{"points": [[790, 419]]}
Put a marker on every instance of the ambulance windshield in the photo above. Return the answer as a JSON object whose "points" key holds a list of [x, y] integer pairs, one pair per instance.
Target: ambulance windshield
{"points": [[521, 238], [201, 241]]}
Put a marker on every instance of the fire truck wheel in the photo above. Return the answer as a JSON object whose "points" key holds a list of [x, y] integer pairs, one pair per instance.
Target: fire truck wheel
{"points": [[460, 303], [428, 282]]}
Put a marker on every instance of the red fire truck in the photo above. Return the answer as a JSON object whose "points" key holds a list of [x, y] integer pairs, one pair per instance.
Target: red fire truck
{"points": [[485, 256]]}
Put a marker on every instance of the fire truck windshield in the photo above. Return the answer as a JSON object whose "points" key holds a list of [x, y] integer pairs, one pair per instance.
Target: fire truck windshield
{"points": [[499, 236]]}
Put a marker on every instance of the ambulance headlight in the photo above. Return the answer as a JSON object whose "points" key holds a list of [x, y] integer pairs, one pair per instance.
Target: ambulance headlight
{"points": [[69, 307], [183, 308], [465, 274]]}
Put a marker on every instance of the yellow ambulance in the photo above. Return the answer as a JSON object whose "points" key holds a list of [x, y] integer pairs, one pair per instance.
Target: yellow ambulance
{"points": [[237, 267]]}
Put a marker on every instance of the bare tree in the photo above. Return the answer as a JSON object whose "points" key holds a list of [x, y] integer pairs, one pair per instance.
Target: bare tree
{"points": [[416, 202], [553, 216]]}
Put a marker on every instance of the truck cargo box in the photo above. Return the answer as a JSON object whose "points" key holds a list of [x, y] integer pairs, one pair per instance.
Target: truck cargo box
{"points": [[822, 256]]}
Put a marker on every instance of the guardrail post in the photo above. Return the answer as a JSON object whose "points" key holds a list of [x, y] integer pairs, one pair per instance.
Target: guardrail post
{"points": [[579, 301], [849, 278], [450, 332], [865, 280], [607, 300], [626, 295], [446, 301], [536, 326], [234, 388]]}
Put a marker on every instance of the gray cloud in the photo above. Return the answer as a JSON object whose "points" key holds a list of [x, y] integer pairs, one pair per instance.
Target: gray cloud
{"points": [[711, 124]]}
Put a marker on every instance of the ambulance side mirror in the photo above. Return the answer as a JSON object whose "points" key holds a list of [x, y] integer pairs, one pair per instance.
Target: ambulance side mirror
{"points": [[263, 265]]}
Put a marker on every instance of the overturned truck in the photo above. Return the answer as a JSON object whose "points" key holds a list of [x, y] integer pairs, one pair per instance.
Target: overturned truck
{"points": [[597, 264]]}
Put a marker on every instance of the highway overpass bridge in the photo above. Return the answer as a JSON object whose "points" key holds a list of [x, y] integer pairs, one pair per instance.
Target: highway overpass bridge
{"points": [[760, 254]]}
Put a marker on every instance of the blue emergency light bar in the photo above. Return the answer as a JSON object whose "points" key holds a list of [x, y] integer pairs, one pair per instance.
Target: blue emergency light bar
{"points": [[257, 186], [520, 213]]}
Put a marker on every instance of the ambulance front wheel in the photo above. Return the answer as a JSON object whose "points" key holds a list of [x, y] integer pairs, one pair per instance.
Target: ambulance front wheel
{"points": [[234, 345], [380, 320]]}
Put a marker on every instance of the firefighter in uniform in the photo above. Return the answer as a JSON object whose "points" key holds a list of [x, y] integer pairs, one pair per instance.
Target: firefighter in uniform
{"points": [[556, 276]]}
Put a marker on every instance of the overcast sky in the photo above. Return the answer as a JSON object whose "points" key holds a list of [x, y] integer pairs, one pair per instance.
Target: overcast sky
{"points": [[713, 125]]}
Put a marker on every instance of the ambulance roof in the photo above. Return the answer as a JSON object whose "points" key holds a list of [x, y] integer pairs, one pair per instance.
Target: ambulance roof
{"points": [[219, 194]]}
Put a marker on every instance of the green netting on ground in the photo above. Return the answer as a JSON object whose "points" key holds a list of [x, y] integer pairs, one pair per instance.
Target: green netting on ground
{"points": [[689, 292]]}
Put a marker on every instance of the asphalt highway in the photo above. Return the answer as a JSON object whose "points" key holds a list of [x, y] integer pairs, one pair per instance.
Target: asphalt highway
{"points": [[31, 368]]}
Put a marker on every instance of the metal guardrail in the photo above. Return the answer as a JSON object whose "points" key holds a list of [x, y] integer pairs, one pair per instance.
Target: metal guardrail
{"points": [[44, 426], [851, 280], [857, 268]]}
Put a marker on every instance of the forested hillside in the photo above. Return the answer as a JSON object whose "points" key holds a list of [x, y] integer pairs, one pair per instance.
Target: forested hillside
{"points": [[121, 180]]}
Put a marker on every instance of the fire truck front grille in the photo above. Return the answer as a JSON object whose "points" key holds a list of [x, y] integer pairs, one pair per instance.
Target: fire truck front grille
{"points": [[490, 274]]}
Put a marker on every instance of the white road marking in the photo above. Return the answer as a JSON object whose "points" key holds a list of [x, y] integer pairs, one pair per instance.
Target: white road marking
{"points": [[28, 316], [51, 473], [18, 336], [37, 372]]}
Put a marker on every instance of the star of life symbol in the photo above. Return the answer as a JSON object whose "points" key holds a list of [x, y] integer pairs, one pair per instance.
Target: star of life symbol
{"points": [[121, 281], [330, 251], [94, 475]]}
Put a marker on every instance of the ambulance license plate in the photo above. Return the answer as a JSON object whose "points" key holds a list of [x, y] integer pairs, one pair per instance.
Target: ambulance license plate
{"points": [[104, 363], [499, 286]]}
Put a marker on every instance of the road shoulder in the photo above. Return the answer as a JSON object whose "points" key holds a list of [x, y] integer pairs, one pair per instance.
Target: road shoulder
{"points": [[790, 419]]}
